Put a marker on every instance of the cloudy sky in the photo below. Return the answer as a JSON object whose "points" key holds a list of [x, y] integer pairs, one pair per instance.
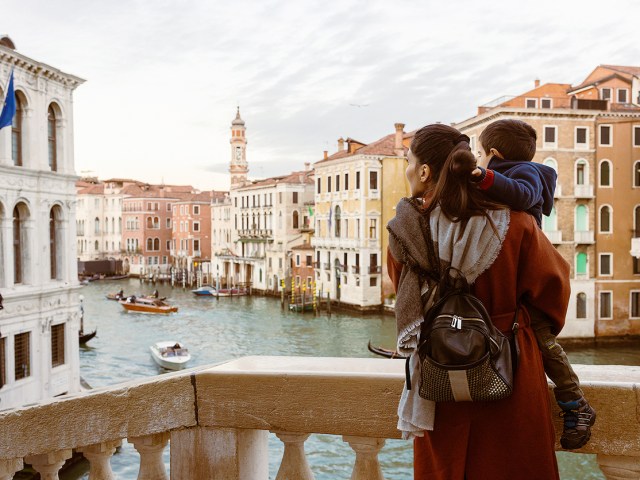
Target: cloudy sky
{"points": [[164, 76]]}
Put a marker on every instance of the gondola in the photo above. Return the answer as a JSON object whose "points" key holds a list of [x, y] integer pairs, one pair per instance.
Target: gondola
{"points": [[85, 337], [384, 352]]}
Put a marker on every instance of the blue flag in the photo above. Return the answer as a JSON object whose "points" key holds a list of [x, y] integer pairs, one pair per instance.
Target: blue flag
{"points": [[9, 106]]}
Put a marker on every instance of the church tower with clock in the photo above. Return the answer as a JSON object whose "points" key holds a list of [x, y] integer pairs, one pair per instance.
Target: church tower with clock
{"points": [[238, 167]]}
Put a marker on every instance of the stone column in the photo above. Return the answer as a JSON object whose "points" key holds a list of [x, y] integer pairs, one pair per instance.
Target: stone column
{"points": [[220, 454], [294, 465], [367, 466], [10, 466], [150, 448], [48, 464], [99, 456], [619, 467]]}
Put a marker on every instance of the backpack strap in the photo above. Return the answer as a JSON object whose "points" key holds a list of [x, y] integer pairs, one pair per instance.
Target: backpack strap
{"points": [[407, 372], [513, 340]]}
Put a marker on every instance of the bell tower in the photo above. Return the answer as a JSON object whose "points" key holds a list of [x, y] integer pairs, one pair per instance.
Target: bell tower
{"points": [[238, 168]]}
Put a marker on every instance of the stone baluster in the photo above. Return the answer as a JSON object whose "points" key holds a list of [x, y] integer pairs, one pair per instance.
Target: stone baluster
{"points": [[9, 466], [367, 466], [294, 465], [99, 456], [150, 448], [619, 467], [48, 464]]}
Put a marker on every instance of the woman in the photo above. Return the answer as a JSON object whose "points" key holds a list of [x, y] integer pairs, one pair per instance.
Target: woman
{"points": [[506, 258]]}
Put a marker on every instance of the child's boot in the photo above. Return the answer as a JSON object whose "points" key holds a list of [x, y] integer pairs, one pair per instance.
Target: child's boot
{"points": [[579, 417]]}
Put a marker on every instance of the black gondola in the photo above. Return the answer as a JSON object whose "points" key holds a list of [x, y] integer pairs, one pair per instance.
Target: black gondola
{"points": [[85, 337], [384, 352]]}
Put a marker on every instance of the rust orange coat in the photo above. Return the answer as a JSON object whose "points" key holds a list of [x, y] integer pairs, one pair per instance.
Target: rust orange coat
{"points": [[511, 438]]}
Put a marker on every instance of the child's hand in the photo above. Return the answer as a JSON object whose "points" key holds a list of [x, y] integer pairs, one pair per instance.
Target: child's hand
{"points": [[477, 175], [476, 172]]}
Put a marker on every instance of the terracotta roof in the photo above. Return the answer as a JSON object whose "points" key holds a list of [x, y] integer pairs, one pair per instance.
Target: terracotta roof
{"points": [[635, 71], [384, 146], [598, 80], [291, 178], [304, 246], [92, 189], [202, 196]]}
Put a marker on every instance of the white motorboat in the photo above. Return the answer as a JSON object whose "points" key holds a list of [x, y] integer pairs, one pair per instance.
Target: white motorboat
{"points": [[170, 355]]}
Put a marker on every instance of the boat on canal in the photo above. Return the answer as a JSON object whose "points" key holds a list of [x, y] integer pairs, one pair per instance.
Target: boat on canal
{"points": [[170, 355], [147, 305], [208, 291], [384, 352]]}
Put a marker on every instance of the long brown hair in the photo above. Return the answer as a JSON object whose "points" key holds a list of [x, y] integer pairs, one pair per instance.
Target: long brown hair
{"points": [[447, 153]]}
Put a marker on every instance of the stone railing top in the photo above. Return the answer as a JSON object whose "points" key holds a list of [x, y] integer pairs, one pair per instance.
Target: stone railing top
{"points": [[345, 396]]}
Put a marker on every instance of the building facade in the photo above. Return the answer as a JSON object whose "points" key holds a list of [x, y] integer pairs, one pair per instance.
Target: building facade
{"points": [[356, 191], [586, 134], [38, 276]]}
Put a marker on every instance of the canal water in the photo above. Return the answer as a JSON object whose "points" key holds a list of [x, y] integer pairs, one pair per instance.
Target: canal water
{"points": [[216, 330]]}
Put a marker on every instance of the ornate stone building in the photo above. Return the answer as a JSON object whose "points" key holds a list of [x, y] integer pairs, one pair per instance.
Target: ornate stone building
{"points": [[38, 277]]}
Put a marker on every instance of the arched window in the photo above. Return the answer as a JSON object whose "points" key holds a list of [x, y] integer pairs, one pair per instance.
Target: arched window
{"points": [[106, 225], [96, 246], [636, 174], [550, 223], [16, 133], [636, 221], [149, 244], [605, 173], [295, 219], [156, 244], [55, 242], [52, 139], [581, 218], [581, 305], [581, 263], [337, 221], [96, 226], [605, 219], [19, 244], [149, 222], [581, 172]]}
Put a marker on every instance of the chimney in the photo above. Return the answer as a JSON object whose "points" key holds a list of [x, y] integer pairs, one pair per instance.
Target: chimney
{"points": [[536, 82], [307, 165], [326, 154], [398, 147], [341, 144]]}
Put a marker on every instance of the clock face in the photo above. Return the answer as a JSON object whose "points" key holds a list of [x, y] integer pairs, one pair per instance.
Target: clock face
{"points": [[238, 153]]}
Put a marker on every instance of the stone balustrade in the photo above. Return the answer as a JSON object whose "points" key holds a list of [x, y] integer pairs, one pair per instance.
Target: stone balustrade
{"points": [[216, 419]]}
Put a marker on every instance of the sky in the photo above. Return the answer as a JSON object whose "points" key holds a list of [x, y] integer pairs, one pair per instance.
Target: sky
{"points": [[164, 77]]}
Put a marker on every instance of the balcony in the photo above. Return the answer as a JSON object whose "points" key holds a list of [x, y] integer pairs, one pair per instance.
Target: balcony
{"points": [[583, 191], [217, 419], [635, 247], [583, 237], [355, 269], [554, 236], [373, 269]]}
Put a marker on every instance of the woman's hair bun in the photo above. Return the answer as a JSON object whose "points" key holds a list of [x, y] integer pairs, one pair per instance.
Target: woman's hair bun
{"points": [[462, 162]]}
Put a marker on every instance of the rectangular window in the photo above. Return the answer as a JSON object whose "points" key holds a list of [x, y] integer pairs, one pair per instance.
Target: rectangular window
{"points": [[373, 230], [309, 261], [546, 103], [317, 259], [606, 264], [636, 136], [605, 94], [168, 224], [550, 136], [196, 245], [3, 362], [373, 281], [57, 345], [605, 305], [373, 180], [605, 135], [635, 305], [472, 143], [319, 186], [337, 183], [295, 197], [297, 260], [531, 103], [623, 95], [636, 265], [357, 180], [581, 137], [196, 209], [329, 184], [196, 226], [346, 181], [22, 355]]}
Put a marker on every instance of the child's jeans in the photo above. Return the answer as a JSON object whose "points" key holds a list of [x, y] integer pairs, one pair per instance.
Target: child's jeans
{"points": [[556, 363]]}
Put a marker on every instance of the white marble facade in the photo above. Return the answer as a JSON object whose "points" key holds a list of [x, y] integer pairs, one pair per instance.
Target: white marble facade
{"points": [[38, 275]]}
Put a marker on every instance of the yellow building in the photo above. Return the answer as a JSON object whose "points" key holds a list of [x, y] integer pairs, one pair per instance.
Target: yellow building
{"points": [[356, 191]]}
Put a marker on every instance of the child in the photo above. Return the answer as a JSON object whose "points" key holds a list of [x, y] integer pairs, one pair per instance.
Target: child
{"points": [[507, 147]]}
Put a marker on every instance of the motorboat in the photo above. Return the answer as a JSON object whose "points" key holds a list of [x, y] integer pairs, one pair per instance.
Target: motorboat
{"points": [[204, 291], [147, 305], [170, 355]]}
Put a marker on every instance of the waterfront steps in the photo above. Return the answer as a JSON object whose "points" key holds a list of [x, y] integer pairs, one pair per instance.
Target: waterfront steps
{"points": [[216, 419]]}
